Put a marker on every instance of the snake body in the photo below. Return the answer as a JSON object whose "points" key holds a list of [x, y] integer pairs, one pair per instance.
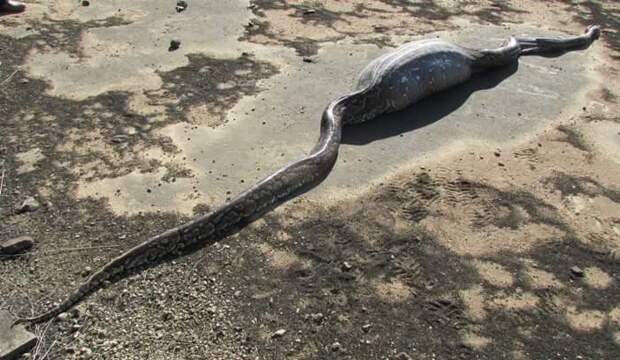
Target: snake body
{"points": [[389, 83]]}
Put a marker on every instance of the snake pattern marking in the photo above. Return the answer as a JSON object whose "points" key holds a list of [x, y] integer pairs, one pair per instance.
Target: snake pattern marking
{"points": [[389, 83]]}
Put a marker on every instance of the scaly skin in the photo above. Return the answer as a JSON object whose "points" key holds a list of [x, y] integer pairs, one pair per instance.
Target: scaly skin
{"points": [[390, 83]]}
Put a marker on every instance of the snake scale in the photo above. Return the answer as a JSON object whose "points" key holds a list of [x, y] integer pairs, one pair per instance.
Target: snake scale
{"points": [[389, 83]]}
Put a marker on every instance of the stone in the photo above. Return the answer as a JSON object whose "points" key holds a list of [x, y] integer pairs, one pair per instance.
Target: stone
{"points": [[278, 333], [577, 271], [63, 316], [181, 6], [402, 356], [317, 318], [174, 45], [86, 353], [14, 341], [336, 346], [87, 270], [29, 205], [118, 139], [16, 245]]}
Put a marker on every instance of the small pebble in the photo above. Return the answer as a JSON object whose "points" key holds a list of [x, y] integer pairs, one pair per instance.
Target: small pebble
{"points": [[278, 333], [317, 318], [86, 353], [29, 205], [181, 6], [577, 271], [87, 271], [402, 356], [63, 316], [174, 45]]}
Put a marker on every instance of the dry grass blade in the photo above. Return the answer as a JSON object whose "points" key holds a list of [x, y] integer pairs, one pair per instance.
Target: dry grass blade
{"points": [[1, 182], [37, 352], [9, 77]]}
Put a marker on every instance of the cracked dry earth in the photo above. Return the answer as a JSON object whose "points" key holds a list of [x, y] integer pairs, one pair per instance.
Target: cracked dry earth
{"points": [[479, 250]]}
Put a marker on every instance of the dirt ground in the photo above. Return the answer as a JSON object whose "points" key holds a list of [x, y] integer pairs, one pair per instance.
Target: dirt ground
{"points": [[484, 253]]}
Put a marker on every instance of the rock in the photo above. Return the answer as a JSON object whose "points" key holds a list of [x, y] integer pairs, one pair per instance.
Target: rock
{"points": [[317, 318], [16, 245], [76, 312], [346, 266], [336, 346], [308, 60], [86, 353], [63, 316], [14, 341], [577, 271], [402, 356], [174, 45], [87, 271], [278, 333], [101, 333], [181, 6], [366, 327], [29, 205], [85, 3], [118, 139]]}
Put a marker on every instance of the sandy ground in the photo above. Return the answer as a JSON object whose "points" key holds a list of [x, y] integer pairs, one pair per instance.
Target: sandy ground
{"points": [[469, 250]]}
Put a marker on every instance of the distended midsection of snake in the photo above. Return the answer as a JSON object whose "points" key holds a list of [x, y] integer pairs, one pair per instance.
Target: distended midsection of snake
{"points": [[389, 83]]}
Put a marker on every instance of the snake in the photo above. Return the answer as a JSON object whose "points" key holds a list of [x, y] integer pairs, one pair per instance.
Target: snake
{"points": [[389, 83]]}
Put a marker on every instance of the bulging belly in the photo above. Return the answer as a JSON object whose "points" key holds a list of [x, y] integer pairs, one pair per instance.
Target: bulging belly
{"points": [[415, 71]]}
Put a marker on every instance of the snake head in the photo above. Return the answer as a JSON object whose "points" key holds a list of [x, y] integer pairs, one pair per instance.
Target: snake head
{"points": [[593, 31]]}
